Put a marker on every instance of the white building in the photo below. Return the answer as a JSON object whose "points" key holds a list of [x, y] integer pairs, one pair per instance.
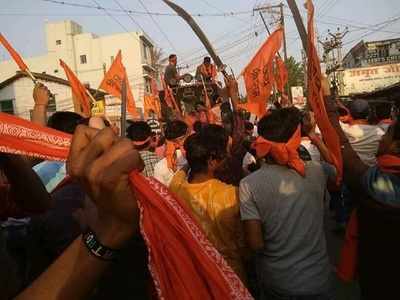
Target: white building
{"points": [[88, 55]]}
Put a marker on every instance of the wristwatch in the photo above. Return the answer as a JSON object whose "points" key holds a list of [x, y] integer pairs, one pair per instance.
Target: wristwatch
{"points": [[97, 249]]}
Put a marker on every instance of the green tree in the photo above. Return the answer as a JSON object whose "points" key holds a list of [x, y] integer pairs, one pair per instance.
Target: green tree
{"points": [[295, 72]]}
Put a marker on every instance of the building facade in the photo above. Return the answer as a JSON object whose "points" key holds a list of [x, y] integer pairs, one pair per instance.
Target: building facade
{"points": [[375, 53], [89, 56]]}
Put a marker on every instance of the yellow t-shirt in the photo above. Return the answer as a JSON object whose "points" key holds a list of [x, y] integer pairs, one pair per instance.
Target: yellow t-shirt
{"points": [[216, 207]]}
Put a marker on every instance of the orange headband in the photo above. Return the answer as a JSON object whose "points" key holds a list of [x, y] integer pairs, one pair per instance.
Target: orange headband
{"points": [[283, 154]]}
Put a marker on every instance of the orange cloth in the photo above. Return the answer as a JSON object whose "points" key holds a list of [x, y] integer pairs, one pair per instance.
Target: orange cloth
{"points": [[150, 102], [169, 97], [283, 154], [347, 266], [78, 89], [112, 84], [208, 71], [316, 98], [156, 97], [258, 74], [281, 74], [253, 107], [170, 153], [389, 163], [14, 54], [182, 262]]}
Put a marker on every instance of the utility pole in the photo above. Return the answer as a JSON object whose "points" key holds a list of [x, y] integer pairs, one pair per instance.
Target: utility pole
{"points": [[333, 57], [270, 8], [124, 87], [299, 22]]}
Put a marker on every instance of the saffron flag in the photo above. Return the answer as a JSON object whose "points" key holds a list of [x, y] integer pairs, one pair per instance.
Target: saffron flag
{"points": [[151, 103], [169, 97], [14, 54], [281, 77], [112, 84], [176, 243], [78, 89], [252, 107], [258, 74], [156, 97], [316, 96]]}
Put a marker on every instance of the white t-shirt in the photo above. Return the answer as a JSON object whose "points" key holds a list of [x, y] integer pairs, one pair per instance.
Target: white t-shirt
{"points": [[312, 149], [163, 174], [365, 140]]}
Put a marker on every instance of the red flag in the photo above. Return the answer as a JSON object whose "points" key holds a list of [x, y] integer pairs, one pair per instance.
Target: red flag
{"points": [[316, 96], [14, 54], [78, 89], [258, 75], [112, 84], [281, 74]]}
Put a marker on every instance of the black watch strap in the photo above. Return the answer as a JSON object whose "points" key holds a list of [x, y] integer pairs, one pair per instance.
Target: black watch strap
{"points": [[97, 249]]}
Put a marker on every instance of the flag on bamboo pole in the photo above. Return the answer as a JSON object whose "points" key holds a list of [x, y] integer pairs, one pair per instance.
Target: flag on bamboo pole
{"points": [[169, 97], [78, 89], [14, 54], [281, 77], [316, 96], [112, 84], [258, 74], [156, 96]]}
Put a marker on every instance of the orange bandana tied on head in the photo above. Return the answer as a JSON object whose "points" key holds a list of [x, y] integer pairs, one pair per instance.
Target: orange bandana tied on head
{"points": [[283, 154], [170, 153]]}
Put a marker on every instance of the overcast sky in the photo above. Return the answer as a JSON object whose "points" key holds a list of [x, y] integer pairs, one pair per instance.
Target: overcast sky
{"points": [[235, 37]]}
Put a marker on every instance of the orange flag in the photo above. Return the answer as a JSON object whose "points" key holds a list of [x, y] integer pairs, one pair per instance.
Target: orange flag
{"points": [[169, 97], [252, 107], [112, 83], [316, 96], [78, 89], [258, 75], [281, 74], [156, 97], [14, 54]]}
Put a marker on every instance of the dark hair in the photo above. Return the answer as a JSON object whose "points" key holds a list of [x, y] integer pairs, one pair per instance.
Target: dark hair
{"points": [[171, 56], [197, 126], [207, 59], [209, 143], [248, 125], [396, 130], [280, 124], [175, 129], [383, 110], [138, 131], [65, 121]]}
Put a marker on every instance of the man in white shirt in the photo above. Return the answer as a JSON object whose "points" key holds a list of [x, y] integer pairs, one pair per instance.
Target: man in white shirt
{"points": [[175, 134], [363, 137]]}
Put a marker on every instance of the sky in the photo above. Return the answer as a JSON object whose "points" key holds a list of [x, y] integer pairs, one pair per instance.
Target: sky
{"points": [[236, 38]]}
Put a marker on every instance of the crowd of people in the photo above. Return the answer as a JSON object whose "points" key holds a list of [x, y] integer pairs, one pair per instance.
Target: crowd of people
{"points": [[259, 191]]}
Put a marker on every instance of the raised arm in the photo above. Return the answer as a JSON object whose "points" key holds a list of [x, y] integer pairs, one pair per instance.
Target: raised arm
{"points": [[41, 96], [102, 163], [353, 167]]}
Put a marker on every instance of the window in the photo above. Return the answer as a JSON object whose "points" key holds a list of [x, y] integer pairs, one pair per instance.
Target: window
{"points": [[145, 51], [55, 71], [58, 42], [83, 59], [112, 59], [7, 106]]}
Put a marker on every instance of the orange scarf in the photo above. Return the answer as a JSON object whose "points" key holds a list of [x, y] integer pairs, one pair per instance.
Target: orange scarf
{"points": [[170, 154], [176, 244], [389, 163], [283, 154], [208, 71]]}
